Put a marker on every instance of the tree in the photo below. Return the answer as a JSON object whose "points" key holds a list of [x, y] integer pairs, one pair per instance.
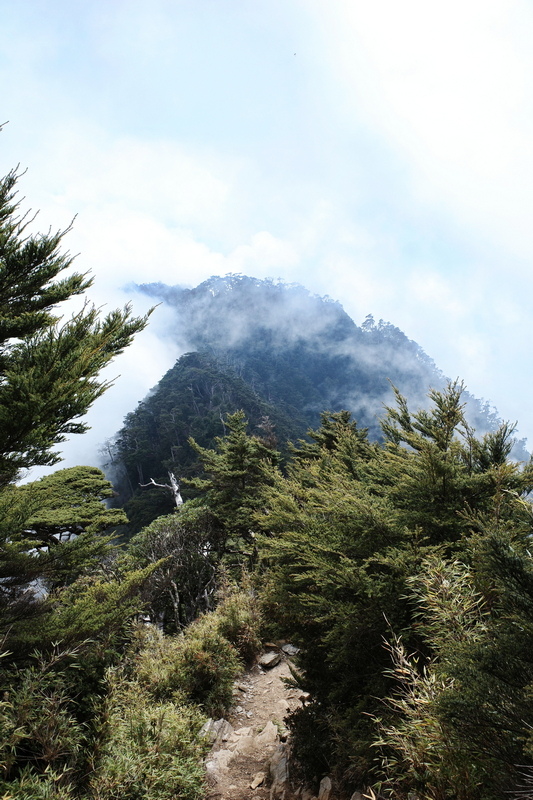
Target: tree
{"points": [[236, 472], [68, 503], [347, 531], [191, 401], [49, 377], [333, 587], [435, 468], [51, 531], [184, 584], [48, 369]]}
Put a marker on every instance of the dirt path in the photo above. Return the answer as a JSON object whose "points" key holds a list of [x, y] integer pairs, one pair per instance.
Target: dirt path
{"points": [[249, 755]]}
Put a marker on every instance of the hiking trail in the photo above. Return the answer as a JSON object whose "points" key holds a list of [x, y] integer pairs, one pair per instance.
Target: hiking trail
{"points": [[249, 755]]}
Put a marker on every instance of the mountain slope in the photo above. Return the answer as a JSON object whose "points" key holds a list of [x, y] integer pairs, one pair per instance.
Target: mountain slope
{"points": [[280, 354]]}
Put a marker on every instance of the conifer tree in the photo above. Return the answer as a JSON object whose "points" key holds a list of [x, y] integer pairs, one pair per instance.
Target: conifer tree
{"points": [[346, 532], [333, 587], [236, 472], [51, 531], [49, 377], [48, 369]]}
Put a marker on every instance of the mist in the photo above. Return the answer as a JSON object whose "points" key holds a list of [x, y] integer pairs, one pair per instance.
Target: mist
{"points": [[345, 149], [236, 316]]}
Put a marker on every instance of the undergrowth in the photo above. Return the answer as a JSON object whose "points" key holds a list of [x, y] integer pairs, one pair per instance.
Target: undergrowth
{"points": [[142, 742]]}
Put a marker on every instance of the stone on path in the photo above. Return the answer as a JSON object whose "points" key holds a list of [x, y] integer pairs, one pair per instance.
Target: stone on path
{"points": [[218, 763], [279, 772], [259, 778], [290, 649], [217, 731], [324, 789], [268, 735], [248, 759], [246, 745], [269, 660]]}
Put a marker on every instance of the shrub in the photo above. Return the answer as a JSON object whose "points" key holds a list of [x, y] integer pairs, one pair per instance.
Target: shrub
{"points": [[31, 786], [39, 728], [202, 663], [239, 619], [148, 749], [198, 666]]}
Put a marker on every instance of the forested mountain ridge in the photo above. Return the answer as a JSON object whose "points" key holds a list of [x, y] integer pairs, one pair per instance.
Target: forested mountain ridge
{"points": [[295, 347], [280, 354]]}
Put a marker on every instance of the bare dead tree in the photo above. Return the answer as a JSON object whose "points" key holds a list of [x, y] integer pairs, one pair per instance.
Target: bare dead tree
{"points": [[173, 487]]}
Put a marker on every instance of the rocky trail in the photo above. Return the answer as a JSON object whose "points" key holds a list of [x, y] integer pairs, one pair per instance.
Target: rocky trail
{"points": [[249, 755]]}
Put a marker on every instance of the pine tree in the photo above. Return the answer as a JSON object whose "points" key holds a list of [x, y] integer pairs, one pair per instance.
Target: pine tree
{"points": [[236, 472], [48, 369], [49, 377], [51, 531]]}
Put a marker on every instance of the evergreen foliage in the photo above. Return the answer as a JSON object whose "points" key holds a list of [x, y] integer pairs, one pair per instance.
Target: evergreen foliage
{"points": [[49, 371], [366, 543], [190, 402], [52, 531], [183, 586], [64, 607], [149, 745], [237, 470], [49, 377], [399, 563]]}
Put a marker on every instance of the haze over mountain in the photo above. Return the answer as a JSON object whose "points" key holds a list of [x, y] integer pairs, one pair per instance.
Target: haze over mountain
{"points": [[282, 355]]}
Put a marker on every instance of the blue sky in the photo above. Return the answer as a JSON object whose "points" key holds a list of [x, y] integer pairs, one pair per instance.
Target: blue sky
{"points": [[380, 153]]}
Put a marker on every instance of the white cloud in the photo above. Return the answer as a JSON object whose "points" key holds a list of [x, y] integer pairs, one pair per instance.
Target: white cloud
{"points": [[387, 164], [432, 293], [264, 255], [448, 86]]}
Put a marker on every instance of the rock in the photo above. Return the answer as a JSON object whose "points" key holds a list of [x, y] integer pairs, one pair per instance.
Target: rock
{"points": [[246, 745], [357, 796], [259, 778], [324, 790], [282, 706], [217, 763], [269, 660], [268, 735], [239, 709], [207, 730], [290, 649], [216, 731], [243, 731], [279, 772]]}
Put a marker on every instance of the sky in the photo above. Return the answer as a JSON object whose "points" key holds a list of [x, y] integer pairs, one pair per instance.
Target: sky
{"points": [[377, 152]]}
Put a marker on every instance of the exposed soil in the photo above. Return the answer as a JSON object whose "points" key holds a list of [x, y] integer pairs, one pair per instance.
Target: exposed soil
{"points": [[243, 754]]}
